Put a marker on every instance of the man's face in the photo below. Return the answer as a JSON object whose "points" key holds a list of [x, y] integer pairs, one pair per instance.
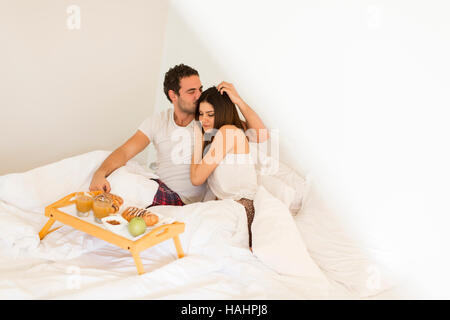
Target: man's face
{"points": [[190, 90]]}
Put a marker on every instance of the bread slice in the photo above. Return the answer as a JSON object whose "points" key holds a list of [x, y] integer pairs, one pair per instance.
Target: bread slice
{"points": [[132, 212]]}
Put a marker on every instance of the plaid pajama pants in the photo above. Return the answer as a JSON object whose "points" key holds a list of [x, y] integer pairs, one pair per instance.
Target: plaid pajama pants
{"points": [[165, 196]]}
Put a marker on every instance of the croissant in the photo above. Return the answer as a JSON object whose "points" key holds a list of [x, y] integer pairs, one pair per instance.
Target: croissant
{"points": [[131, 212], [115, 200]]}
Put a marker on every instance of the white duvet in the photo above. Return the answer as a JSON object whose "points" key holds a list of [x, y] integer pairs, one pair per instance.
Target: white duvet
{"points": [[69, 264]]}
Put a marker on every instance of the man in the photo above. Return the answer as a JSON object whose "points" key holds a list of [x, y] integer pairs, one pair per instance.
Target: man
{"points": [[182, 87]]}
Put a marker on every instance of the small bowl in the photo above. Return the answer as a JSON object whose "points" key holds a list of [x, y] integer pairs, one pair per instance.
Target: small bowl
{"points": [[114, 227]]}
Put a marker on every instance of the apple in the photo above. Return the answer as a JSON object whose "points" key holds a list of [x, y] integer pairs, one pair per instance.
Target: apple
{"points": [[137, 226]]}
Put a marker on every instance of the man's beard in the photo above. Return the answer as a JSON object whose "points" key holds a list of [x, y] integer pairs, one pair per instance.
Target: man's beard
{"points": [[185, 107]]}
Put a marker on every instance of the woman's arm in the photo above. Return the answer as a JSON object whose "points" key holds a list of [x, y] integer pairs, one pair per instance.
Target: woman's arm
{"points": [[198, 144], [224, 141]]}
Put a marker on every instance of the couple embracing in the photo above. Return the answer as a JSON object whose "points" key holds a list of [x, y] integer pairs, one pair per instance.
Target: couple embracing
{"points": [[217, 160]]}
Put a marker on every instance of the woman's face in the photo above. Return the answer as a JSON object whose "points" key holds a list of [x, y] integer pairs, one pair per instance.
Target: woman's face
{"points": [[206, 116]]}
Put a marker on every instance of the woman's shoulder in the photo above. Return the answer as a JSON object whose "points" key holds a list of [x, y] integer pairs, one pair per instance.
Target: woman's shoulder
{"points": [[234, 138], [228, 126], [231, 128]]}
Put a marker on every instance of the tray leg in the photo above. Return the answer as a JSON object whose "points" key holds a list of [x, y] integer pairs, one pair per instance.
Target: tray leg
{"points": [[178, 246], [45, 229], [138, 262]]}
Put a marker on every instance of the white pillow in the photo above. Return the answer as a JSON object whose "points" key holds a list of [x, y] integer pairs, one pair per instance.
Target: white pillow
{"points": [[132, 183], [277, 242], [277, 188], [299, 184], [279, 179], [35, 189]]}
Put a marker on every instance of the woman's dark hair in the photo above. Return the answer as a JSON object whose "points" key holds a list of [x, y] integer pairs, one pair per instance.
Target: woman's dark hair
{"points": [[225, 111], [173, 77]]}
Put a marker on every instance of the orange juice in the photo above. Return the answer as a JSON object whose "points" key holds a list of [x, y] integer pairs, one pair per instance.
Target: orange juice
{"points": [[83, 204], [102, 209]]}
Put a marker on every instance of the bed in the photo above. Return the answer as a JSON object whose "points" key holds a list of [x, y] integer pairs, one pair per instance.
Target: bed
{"points": [[311, 260]]}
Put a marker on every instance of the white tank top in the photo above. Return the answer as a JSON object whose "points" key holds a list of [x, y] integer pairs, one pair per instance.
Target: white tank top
{"points": [[234, 178]]}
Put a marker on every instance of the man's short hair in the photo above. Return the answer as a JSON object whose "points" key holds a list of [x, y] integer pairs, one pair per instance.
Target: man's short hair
{"points": [[173, 77]]}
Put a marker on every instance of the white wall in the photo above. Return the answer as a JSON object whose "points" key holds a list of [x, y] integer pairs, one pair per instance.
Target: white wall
{"points": [[359, 93], [68, 91]]}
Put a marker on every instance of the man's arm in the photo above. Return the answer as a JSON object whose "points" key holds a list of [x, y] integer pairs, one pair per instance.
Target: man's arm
{"points": [[118, 158], [258, 132]]}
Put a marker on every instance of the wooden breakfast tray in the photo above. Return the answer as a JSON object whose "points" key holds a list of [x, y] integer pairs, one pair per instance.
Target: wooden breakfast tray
{"points": [[155, 236]]}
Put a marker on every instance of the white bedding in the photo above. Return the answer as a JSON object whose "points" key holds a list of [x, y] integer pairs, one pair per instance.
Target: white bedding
{"points": [[69, 264]]}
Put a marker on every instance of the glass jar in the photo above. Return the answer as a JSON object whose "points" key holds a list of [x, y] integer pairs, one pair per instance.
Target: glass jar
{"points": [[83, 204], [102, 208]]}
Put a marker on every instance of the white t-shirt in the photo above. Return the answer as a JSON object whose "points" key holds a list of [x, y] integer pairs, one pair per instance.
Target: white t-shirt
{"points": [[174, 146]]}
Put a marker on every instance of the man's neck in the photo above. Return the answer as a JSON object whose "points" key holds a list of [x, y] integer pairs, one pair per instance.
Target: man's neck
{"points": [[182, 119]]}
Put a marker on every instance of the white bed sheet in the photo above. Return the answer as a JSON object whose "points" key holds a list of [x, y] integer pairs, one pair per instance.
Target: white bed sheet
{"points": [[69, 264]]}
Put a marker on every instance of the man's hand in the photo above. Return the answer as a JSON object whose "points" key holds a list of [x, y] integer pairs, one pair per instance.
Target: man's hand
{"points": [[99, 182]]}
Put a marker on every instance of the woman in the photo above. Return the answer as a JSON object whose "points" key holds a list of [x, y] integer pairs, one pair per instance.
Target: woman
{"points": [[222, 153]]}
